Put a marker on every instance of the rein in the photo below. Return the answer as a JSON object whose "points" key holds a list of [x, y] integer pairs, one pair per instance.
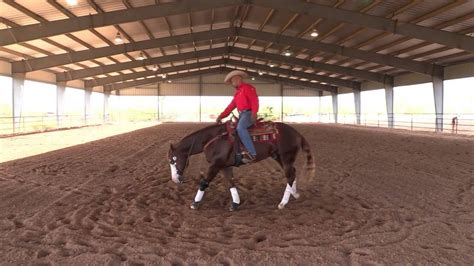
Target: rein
{"points": [[192, 146], [189, 153]]}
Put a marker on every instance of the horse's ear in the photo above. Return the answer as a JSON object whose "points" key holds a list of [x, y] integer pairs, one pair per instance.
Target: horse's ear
{"points": [[171, 146]]}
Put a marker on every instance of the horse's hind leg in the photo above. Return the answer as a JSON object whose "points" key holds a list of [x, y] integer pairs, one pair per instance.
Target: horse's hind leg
{"points": [[288, 161], [203, 184], [229, 176], [290, 189]]}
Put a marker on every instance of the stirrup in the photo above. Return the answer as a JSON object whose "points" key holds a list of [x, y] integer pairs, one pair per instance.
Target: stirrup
{"points": [[248, 158]]}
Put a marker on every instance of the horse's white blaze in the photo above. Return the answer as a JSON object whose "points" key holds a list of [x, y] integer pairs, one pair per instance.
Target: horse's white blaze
{"points": [[235, 195], [174, 173], [199, 196]]}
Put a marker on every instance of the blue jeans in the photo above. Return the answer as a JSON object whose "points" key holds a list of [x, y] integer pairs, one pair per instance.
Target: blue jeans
{"points": [[245, 121]]}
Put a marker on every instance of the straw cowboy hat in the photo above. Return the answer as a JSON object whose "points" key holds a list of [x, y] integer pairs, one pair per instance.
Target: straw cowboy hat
{"points": [[235, 73]]}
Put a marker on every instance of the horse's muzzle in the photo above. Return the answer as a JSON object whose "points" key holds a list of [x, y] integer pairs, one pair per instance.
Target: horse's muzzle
{"points": [[177, 178]]}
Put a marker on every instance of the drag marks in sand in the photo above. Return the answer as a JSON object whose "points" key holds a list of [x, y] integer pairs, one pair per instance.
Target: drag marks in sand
{"points": [[378, 197]]}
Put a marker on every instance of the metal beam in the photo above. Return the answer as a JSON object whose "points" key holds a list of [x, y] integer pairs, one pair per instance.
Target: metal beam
{"points": [[73, 57], [300, 74], [388, 86], [142, 74], [63, 26], [410, 65], [39, 18], [448, 39], [438, 93], [106, 109], [362, 74], [200, 98], [62, 59], [134, 83], [18, 88], [60, 102], [94, 71], [357, 103], [158, 93], [295, 82], [87, 104], [335, 108]]}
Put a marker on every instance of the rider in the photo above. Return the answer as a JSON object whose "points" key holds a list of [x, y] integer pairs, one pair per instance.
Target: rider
{"points": [[246, 101]]}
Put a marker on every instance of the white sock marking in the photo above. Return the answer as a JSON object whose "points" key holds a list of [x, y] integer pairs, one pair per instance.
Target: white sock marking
{"points": [[293, 188], [286, 195], [235, 195], [199, 195]]}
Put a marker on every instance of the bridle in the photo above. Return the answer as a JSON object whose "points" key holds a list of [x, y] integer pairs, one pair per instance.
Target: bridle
{"points": [[173, 159], [189, 153]]}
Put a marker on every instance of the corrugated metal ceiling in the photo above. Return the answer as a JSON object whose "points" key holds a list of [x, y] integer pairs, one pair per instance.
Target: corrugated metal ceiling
{"points": [[425, 13]]}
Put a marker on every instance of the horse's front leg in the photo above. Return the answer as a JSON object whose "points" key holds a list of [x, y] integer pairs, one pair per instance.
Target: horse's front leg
{"points": [[203, 184], [229, 176]]}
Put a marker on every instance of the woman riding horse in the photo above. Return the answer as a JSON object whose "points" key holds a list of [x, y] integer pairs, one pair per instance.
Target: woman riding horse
{"points": [[246, 101]]}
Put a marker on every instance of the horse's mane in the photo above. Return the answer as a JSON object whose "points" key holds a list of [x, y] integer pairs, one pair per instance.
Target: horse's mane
{"points": [[199, 131]]}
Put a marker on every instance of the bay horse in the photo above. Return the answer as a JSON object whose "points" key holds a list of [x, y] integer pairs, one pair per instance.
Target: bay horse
{"points": [[220, 153]]}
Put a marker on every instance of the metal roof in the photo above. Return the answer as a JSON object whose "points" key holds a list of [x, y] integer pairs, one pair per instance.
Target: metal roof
{"points": [[364, 40]]}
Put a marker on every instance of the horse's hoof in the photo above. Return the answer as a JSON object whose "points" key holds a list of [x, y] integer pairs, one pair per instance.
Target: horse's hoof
{"points": [[234, 207], [194, 205], [281, 206], [296, 195]]}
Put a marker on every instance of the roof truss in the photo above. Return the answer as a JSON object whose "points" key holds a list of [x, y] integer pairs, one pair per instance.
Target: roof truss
{"points": [[74, 57]]}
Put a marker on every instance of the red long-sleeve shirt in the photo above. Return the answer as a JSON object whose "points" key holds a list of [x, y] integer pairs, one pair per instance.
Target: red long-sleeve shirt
{"points": [[245, 97]]}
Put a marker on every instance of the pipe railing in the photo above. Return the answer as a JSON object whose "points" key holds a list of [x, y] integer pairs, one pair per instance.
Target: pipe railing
{"points": [[452, 123], [42, 123]]}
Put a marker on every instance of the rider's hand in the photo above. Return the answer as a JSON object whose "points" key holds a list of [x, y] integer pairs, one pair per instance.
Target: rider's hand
{"points": [[219, 120]]}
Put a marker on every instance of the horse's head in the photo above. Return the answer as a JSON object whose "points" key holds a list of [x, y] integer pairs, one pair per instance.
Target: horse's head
{"points": [[177, 159]]}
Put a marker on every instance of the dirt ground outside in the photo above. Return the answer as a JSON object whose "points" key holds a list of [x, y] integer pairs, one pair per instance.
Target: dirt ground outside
{"points": [[379, 197]]}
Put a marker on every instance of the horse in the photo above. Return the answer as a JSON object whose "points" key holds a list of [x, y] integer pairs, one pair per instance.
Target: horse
{"points": [[220, 152]]}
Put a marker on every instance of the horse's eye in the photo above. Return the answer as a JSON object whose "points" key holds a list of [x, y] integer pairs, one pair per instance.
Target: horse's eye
{"points": [[173, 160]]}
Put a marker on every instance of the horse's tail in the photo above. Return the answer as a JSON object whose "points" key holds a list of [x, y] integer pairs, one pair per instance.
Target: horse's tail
{"points": [[310, 164]]}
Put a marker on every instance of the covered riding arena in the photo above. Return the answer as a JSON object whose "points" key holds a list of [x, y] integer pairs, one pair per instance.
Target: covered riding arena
{"points": [[92, 92]]}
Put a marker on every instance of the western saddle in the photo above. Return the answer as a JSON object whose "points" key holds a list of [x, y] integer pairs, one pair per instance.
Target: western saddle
{"points": [[262, 131]]}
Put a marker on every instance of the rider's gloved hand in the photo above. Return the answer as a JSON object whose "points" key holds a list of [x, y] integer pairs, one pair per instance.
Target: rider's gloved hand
{"points": [[219, 120]]}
